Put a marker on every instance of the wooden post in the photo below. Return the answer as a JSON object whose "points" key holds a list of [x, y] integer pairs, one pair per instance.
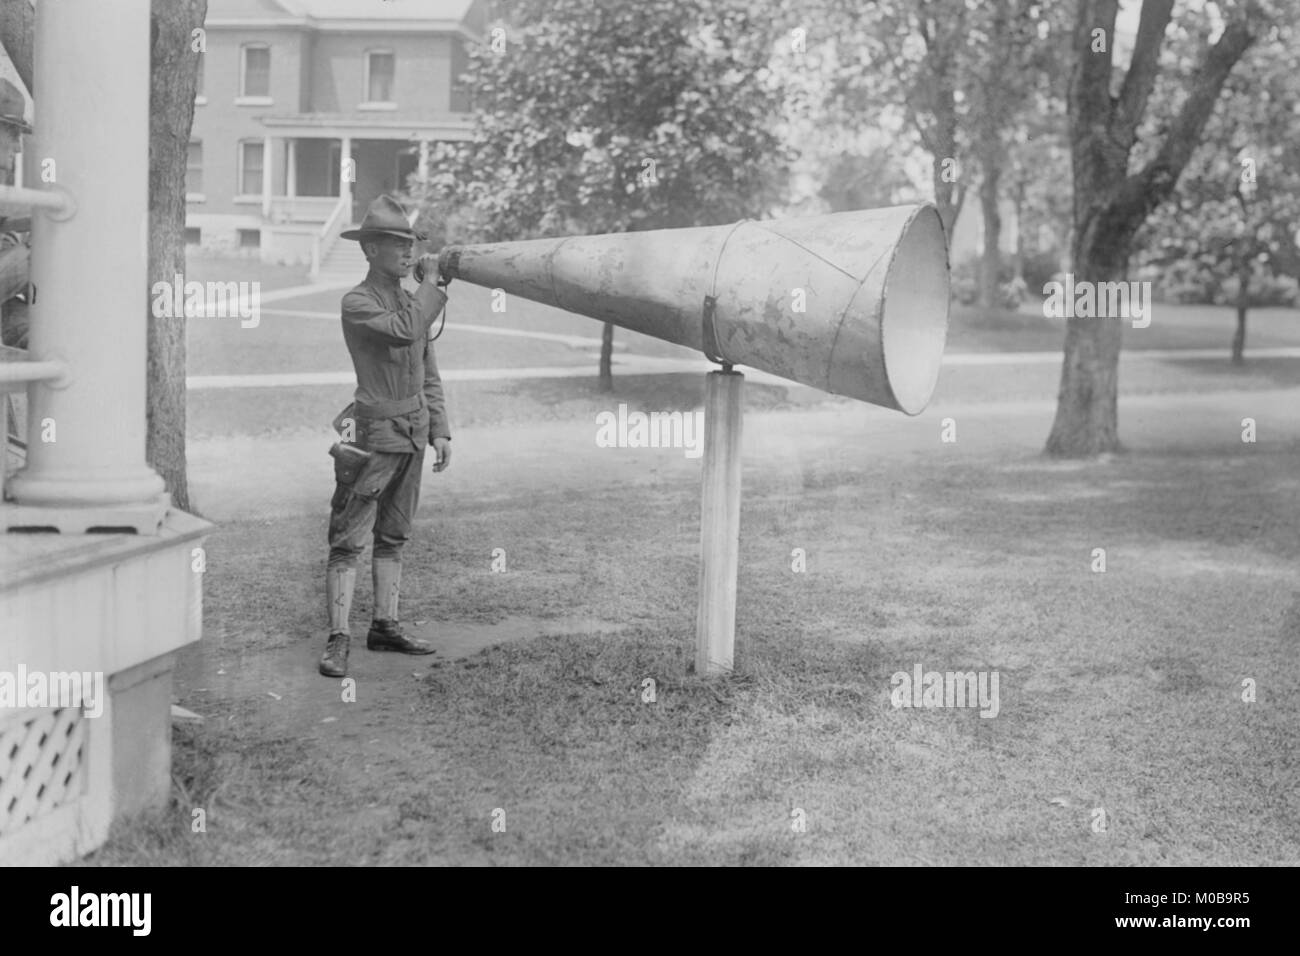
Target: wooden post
{"points": [[715, 632]]}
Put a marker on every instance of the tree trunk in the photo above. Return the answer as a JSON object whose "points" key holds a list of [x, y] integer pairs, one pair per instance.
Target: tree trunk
{"points": [[1087, 416], [173, 83], [1239, 339], [607, 358], [1243, 303], [1019, 257], [17, 33], [948, 193], [990, 259]]}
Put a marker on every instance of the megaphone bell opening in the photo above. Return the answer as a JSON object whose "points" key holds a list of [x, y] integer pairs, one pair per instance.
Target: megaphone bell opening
{"points": [[914, 313]]}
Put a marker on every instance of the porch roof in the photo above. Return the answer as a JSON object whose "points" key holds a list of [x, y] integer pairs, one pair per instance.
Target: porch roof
{"points": [[345, 16], [394, 125]]}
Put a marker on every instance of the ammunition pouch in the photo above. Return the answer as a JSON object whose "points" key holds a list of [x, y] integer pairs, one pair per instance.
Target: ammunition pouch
{"points": [[349, 460]]}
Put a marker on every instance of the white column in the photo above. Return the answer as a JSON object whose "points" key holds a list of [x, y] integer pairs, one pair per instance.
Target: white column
{"points": [[424, 160], [91, 270], [291, 167], [346, 173], [267, 170]]}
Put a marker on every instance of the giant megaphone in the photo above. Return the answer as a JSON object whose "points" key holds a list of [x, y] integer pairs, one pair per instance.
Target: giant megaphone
{"points": [[854, 303]]}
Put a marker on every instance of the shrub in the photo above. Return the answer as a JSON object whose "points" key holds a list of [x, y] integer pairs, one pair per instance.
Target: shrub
{"points": [[1038, 269], [966, 284]]}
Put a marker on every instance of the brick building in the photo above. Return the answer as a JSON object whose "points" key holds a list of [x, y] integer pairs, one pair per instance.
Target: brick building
{"points": [[290, 89]]}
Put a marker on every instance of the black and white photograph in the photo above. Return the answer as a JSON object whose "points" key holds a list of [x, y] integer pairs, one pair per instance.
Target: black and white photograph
{"points": [[651, 433]]}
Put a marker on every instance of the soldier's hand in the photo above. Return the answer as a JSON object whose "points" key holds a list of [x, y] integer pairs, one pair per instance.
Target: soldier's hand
{"points": [[428, 266], [443, 447]]}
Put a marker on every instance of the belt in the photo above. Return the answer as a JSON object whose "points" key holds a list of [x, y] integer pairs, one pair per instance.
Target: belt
{"points": [[400, 406]]}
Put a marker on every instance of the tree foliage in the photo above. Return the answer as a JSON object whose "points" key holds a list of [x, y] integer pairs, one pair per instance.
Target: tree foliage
{"points": [[623, 115], [975, 80], [1229, 231], [867, 180]]}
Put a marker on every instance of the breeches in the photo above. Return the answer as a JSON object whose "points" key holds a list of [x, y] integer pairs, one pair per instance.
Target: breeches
{"points": [[382, 501]]}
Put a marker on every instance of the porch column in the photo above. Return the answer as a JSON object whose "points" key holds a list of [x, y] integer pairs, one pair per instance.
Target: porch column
{"points": [[86, 443], [346, 173], [291, 167], [268, 169], [424, 160]]}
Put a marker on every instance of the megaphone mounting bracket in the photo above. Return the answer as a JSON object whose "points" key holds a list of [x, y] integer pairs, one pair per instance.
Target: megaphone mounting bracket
{"points": [[710, 336]]}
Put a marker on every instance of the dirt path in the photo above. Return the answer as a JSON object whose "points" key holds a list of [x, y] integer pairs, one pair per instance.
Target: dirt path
{"points": [[280, 692]]}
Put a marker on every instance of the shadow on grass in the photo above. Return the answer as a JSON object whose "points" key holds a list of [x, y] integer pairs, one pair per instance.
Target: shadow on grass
{"points": [[1276, 372]]}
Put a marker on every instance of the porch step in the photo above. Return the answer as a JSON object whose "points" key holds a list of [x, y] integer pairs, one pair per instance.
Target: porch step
{"points": [[344, 264]]}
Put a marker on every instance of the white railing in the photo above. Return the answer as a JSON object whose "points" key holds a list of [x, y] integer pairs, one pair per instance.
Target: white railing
{"points": [[24, 370], [57, 202], [324, 240], [18, 370], [15, 367]]}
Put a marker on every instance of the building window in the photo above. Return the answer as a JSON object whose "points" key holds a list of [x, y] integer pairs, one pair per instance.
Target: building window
{"points": [[250, 169], [256, 74], [194, 168], [380, 67], [250, 238], [193, 236]]}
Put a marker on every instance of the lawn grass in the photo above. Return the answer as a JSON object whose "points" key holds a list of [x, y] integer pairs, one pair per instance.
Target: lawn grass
{"points": [[1172, 326], [1119, 690], [206, 267]]}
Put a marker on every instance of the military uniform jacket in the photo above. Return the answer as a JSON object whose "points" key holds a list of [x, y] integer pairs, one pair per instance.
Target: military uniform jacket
{"points": [[399, 405]]}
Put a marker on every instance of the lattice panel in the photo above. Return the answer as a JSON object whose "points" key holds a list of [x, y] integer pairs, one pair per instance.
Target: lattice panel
{"points": [[42, 757]]}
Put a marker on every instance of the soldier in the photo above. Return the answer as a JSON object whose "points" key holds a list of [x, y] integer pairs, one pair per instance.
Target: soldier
{"points": [[398, 408]]}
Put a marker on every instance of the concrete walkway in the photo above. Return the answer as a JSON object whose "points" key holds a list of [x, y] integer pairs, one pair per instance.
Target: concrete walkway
{"points": [[649, 365]]}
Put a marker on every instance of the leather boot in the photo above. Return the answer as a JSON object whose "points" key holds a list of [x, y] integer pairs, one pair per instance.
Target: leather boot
{"points": [[334, 662], [388, 636], [339, 585], [385, 633]]}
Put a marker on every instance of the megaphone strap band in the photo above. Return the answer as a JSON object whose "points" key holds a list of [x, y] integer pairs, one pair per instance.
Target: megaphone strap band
{"points": [[709, 340]]}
